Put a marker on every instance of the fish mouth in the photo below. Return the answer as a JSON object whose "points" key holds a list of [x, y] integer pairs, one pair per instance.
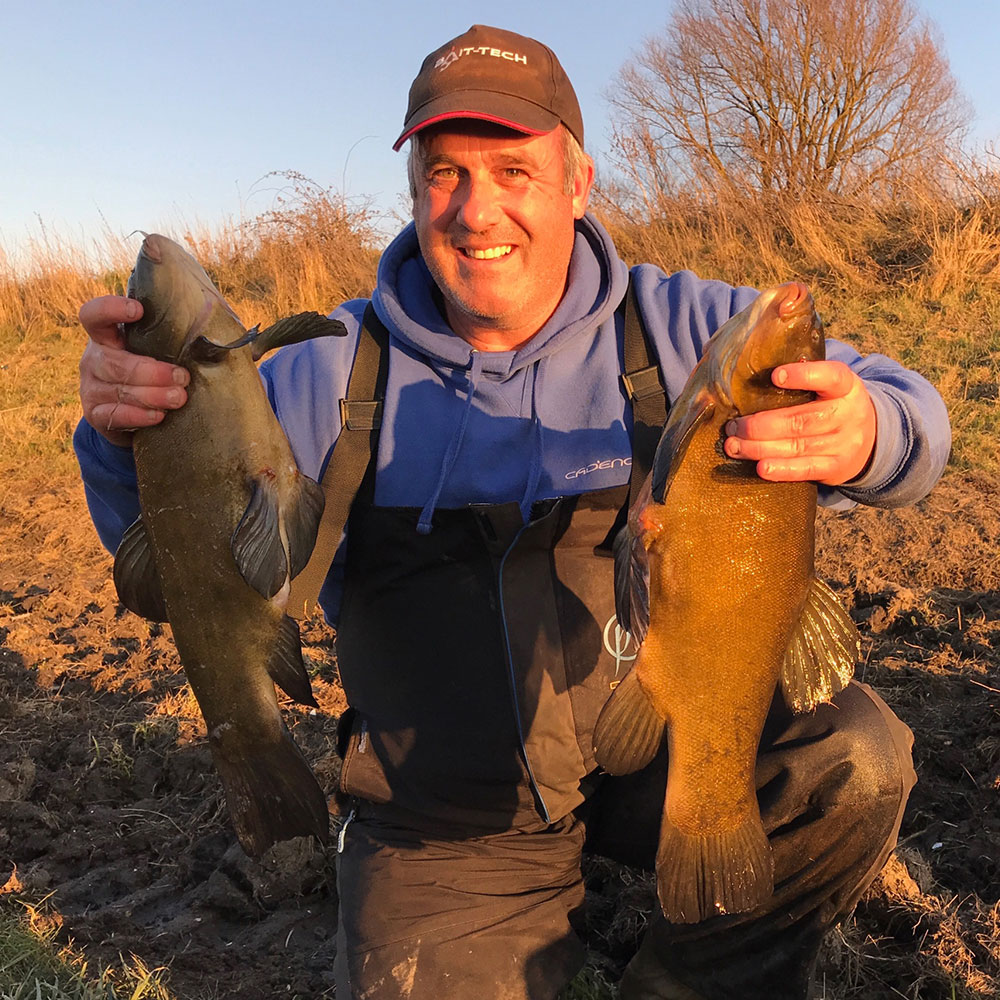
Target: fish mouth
{"points": [[794, 301], [151, 248]]}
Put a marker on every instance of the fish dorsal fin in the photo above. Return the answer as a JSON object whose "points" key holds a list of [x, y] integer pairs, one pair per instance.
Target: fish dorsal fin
{"points": [[686, 418], [136, 577], [820, 658], [294, 330], [256, 543], [286, 666]]}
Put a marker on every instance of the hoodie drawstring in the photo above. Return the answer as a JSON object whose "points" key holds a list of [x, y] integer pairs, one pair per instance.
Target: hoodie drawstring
{"points": [[535, 468], [451, 454]]}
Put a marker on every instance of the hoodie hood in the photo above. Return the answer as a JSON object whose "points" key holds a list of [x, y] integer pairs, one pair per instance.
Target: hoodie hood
{"points": [[406, 300], [490, 402]]}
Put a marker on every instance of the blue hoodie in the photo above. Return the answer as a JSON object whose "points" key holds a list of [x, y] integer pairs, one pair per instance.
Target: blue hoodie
{"points": [[462, 426]]}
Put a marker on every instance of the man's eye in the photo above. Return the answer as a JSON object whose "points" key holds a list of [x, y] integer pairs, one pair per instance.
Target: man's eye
{"points": [[444, 175], [515, 173]]}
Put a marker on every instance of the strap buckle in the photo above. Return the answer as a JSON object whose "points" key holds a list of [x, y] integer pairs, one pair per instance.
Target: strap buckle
{"points": [[361, 414], [643, 383]]}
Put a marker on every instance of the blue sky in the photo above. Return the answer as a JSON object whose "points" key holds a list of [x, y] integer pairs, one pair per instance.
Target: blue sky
{"points": [[143, 115]]}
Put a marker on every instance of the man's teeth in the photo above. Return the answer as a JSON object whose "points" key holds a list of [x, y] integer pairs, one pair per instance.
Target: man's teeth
{"points": [[488, 254]]}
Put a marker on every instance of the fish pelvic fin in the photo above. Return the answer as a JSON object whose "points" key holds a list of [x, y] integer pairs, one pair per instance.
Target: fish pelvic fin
{"points": [[698, 877], [136, 578], [629, 731], [294, 330], [822, 653], [286, 666], [273, 795]]}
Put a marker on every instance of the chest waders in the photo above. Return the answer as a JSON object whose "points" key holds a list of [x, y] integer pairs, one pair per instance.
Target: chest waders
{"points": [[475, 658]]}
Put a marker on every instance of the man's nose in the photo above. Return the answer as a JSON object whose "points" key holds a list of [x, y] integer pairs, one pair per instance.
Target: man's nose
{"points": [[480, 204]]}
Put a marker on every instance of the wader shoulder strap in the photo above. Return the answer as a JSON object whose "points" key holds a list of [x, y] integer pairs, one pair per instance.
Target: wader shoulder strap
{"points": [[644, 388], [352, 459]]}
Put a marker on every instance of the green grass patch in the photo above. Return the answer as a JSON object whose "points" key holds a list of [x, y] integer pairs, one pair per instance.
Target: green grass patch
{"points": [[33, 966]]}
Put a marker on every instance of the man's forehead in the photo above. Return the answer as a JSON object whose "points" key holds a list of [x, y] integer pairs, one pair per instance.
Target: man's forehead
{"points": [[449, 137]]}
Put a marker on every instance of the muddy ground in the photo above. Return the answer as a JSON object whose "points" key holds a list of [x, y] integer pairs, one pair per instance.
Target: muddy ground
{"points": [[111, 813]]}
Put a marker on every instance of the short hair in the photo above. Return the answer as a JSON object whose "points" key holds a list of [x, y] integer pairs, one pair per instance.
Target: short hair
{"points": [[573, 159]]}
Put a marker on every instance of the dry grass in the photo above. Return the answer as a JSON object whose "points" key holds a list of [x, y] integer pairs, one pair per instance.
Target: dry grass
{"points": [[934, 244], [311, 250], [920, 282]]}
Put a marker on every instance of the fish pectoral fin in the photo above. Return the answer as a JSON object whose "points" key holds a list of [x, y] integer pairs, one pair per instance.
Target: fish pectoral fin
{"points": [[629, 731], [294, 330], [203, 351], [301, 522], [677, 434], [698, 877], [821, 656], [256, 543], [286, 666], [136, 578]]}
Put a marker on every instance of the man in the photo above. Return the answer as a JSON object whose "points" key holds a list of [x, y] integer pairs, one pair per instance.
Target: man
{"points": [[471, 608]]}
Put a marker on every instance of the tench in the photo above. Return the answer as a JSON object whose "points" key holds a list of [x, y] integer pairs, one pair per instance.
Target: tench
{"points": [[714, 577], [227, 520]]}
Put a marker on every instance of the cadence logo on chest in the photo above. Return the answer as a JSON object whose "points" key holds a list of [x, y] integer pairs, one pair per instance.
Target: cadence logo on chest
{"points": [[608, 463]]}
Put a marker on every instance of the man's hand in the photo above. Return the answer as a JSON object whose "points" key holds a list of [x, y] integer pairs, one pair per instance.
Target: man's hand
{"points": [[120, 391], [829, 440]]}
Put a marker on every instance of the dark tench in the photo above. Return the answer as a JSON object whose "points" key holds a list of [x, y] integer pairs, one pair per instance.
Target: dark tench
{"points": [[714, 577], [227, 520]]}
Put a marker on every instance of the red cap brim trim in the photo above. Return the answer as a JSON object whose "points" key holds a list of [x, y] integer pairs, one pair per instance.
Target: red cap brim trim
{"points": [[478, 115]]}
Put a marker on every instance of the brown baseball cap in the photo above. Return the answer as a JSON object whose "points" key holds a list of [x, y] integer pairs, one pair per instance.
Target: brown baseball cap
{"points": [[496, 76]]}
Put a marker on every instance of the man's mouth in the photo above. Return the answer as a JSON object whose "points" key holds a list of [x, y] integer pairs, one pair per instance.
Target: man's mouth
{"points": [[490, 253]]}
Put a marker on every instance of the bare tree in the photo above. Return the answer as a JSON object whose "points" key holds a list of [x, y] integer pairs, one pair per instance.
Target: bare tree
{"points": [[785, 96]]}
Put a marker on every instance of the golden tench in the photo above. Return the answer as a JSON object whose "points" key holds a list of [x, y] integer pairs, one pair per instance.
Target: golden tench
{"points": [[714, 577], [227, 520]]}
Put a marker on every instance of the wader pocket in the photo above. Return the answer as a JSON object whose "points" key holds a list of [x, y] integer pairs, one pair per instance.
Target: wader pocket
{"points": [[361, 774]]}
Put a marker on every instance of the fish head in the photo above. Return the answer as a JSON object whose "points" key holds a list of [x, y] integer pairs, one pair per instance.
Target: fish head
{"points": [[782, 327], [178, 299]]}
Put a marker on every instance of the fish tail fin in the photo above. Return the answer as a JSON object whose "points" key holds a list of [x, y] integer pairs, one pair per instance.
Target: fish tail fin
{"points": [[629, 731], [273, 795], [698, 877], [822, 653]]}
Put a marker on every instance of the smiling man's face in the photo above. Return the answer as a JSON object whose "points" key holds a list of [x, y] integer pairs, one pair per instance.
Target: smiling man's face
{"points": [[494, 220]]}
